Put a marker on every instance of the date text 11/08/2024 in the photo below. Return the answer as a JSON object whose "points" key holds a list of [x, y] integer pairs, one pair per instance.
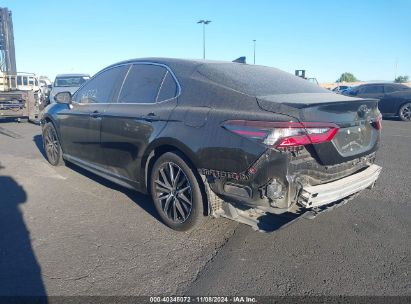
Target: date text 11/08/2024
{"points": [[239, 299]]}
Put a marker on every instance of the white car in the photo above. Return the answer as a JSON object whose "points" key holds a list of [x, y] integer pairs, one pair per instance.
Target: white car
{"points": [[67, 83]]}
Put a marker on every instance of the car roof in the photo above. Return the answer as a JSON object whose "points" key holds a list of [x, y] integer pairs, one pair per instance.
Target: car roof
{"points": [[380, 83], [73, 75], [231, 75], [179, 66], [171, 61]]}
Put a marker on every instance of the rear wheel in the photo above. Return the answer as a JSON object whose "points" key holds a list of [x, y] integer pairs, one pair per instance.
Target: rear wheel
{"points": [[52, 146], [176, 192], [405, 112]]}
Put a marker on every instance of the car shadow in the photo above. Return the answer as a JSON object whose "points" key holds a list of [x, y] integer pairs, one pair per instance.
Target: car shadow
{"points": [[20, 273], [273, 222], [38, 140], [8, 119], [392, 118], [142, 200]]}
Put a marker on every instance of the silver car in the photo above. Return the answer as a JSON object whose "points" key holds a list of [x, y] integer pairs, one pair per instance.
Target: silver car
{"points": [[67, 83]]}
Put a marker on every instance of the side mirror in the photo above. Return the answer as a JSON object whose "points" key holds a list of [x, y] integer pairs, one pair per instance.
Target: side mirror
{"points": [[63, 97]]}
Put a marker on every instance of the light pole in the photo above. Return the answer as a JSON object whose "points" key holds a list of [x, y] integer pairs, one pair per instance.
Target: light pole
{"points": [[396, 67], [204, 22], [254, 49]]}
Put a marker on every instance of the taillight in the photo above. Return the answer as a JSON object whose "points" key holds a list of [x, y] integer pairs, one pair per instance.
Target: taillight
{"points": [[283, 134], [377, 124]]}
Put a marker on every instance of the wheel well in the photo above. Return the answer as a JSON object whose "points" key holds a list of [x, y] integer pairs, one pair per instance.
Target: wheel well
{"points": [[48, 119], [149, 160]]}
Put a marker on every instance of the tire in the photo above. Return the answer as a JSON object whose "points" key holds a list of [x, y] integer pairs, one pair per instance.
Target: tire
{"points": [[405, 112], [178, 201], [51, 145]]}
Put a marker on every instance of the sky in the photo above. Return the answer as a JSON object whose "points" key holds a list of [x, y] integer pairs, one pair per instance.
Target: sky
{"points": [[371, 39]]}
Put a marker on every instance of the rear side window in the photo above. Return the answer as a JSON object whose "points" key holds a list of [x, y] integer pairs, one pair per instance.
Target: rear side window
{"points": [[372, 90], [142, 84], [168, 88], [101, 87]]}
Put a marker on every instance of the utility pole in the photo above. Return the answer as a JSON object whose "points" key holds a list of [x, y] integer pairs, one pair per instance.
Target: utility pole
{"points": [[204, 22], [7, 51], [396, 67], [254, 49]]}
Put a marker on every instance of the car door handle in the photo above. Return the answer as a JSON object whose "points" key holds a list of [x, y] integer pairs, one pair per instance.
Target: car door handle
{"points": [[149, 117], [95, 114]]}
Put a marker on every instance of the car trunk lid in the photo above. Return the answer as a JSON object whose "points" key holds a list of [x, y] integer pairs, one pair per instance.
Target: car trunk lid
{"points": [[358, 135]]}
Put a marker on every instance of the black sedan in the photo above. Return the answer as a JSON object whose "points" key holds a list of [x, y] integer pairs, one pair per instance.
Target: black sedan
{"points": [[395, 98], [208, 138]]}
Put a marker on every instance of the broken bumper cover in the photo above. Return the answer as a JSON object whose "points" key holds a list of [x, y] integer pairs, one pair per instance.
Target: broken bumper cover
{"points": [[316, 196]]}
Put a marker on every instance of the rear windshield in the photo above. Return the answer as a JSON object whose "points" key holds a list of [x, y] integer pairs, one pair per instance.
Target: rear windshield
{"points": [[401, 87], [72, 81], [256, 80]]}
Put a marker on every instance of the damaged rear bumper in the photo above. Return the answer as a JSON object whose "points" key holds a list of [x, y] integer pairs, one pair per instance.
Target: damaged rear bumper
{"points": [[311, 201], [316, 196]]}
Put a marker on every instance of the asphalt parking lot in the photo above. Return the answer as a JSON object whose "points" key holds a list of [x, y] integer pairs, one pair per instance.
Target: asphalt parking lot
{"points": [[64, 231]]}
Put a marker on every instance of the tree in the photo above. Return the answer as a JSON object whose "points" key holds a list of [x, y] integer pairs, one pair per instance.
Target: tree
{"points": [[401, 79], [347, 77]]}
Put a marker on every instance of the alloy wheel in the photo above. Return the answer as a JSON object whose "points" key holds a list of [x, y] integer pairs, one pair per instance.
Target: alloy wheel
{"points": [[51, 145], [405, 112], [173, 190]]}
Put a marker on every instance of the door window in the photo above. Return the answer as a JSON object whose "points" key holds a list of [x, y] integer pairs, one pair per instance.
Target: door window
{"points": [[100, 88], [143, 83]]}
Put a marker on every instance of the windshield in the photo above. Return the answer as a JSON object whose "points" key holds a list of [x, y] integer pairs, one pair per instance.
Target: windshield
{"points": [[72, 81], [352, 89]]}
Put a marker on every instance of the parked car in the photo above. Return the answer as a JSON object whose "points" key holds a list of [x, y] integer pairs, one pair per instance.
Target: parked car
{"points": [[45, 89], [208, 138], [67, 83], [340, 88], [395, 98]]}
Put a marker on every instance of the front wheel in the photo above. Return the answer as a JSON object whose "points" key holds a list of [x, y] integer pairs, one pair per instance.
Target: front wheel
{"points": [[405, 112], [51, 145], [176, 192]]}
